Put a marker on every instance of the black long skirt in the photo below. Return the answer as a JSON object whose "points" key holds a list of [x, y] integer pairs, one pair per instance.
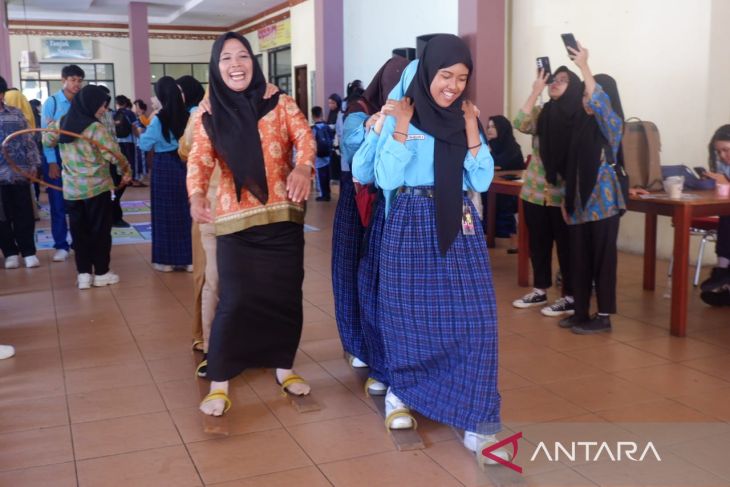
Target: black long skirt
{"points": [[258, 321]]}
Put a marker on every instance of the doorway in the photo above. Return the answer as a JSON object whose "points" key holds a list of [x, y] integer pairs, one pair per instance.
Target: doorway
{"points": [[301, 94]]}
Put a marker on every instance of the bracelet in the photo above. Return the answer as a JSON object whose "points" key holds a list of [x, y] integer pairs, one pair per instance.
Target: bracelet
{"points": [[400, 133], [475, 146]]}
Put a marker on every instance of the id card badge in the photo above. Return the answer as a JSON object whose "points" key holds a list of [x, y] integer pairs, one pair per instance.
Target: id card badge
{"points": [[467, 221]]}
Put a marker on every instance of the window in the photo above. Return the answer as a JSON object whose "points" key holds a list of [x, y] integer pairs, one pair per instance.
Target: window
{"points": [[198, 71], [280, 68], [41, 84]]}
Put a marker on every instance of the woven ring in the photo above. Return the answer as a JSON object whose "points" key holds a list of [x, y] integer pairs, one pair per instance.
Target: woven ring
{"points": [[14, 166]]}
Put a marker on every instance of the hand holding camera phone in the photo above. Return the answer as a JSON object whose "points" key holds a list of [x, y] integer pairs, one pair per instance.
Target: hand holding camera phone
{"points": [[569, 41], [544, 64]]}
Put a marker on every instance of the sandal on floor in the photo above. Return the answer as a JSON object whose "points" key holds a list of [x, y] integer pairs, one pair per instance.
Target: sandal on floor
{"points": [[218, 394], [292, 379], [198, 345], [202, 369], [400, 413], [374, 391]]}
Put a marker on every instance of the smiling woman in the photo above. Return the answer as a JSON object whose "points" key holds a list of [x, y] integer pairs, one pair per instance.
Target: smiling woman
{"points": [[259, 219]]}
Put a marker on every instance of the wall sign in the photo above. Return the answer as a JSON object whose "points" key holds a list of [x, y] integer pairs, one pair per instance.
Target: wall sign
{"points": [[67, 49], [275, 35]]}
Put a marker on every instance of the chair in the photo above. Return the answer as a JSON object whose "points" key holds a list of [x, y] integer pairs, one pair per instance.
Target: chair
{"points": [[705, 227]]}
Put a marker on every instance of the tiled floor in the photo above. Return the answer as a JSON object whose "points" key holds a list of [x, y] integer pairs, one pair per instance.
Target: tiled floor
{"points": [[102, 392]]}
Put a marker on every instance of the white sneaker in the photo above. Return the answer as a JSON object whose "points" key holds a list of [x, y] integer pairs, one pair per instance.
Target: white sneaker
{"points": [[31, 261], [12, 262], [84, 280], [529, 300], [474, 441], [393, 403], [106, 279], [60, 255], [163, 268], [6, 351], [559, 308]]}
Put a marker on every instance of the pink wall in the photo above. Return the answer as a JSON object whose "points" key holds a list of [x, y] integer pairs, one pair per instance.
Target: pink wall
{"points": [[140, 52], [6, 70], [482, 26], [329, 51]]}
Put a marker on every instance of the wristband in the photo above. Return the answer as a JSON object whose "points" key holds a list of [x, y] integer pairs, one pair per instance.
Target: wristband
{"points": [[475, 146], [400, 133]]}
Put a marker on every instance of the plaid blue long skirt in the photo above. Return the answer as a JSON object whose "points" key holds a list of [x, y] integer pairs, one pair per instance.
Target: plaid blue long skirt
{"points": [[367, 288], [438, 318], [347, 234], [171, 223]]}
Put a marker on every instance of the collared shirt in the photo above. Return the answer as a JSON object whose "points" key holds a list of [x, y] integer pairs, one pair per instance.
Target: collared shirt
{"points": [[535, 188], [85, 167], [152, 138], [22, 149], [54, 108], [353, 134]]}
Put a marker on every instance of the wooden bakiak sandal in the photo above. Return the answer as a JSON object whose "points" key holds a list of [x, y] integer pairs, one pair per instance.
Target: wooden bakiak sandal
{"points": [[302, 402]]}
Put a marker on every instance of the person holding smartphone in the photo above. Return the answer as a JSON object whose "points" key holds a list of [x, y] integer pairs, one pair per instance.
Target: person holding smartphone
{"points": [[594, 201], [551, 127], [716, 289]]}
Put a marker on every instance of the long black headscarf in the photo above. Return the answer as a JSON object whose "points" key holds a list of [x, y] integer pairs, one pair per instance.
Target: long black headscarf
{"points": [[82, 112], [586, 147], [506, 152], [376, 94], [192, 90], [448, 127], [173, 115], [556, 126], [233, 126]]}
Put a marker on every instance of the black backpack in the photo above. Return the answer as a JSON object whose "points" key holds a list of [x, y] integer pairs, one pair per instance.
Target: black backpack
{"points": [[323, 136], [122, 124]]}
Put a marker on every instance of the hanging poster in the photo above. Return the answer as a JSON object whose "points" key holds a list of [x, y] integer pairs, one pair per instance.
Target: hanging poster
{"points": [[67, 49], [275, 35]]}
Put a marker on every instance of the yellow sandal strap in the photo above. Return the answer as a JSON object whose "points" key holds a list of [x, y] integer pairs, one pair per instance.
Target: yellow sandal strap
{"points": [[292, 379], [368, 383], [218, 394], [196, 343], [400, 413], [202, 364]]}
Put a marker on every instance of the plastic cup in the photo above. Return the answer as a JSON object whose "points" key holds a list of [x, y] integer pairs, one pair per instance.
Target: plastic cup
{"points": [[722, 190]]}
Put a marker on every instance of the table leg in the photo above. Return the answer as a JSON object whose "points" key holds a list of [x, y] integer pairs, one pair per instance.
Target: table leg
{"points": [[680, 271], [650, 251], [523, 247], [491, 216]]}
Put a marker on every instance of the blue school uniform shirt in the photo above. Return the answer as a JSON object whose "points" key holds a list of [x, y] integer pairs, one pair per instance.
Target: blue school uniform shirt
{"points": [[353, 134], [412, 164], [606, 199], [152, 138], [54, 108]]}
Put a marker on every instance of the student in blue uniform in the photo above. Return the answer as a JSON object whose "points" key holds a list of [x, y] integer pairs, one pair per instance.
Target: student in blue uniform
{"points": [[171, 224], [359, 340], [436, 305]]}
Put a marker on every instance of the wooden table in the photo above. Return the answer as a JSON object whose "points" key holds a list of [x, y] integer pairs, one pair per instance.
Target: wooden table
{"points": [[512, 188], [704, 203]]}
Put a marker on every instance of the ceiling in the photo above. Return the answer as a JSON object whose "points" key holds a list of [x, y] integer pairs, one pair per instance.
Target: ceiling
{"points": [[210, 13]]}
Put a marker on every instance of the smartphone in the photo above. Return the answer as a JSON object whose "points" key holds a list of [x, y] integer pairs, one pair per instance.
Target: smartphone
{"points": [[700, 171], [544, 64], [569, 41]]}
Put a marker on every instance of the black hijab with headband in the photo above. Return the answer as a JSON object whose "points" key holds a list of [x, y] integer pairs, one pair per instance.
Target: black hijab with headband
{"points": [[448, 127], [506, 152], [82, 113], [192, 90], [233, 125], [173, 115], [376, 94], [587, 144], [556, 124]]}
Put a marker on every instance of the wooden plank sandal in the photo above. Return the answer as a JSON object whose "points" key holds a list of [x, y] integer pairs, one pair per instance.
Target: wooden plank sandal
{"points": [[218, 394], [198, 345], [216, 425], [404, 439], [304, 403]]}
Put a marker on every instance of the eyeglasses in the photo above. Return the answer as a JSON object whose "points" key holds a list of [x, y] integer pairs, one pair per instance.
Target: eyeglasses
{"points": [[560, 81]]}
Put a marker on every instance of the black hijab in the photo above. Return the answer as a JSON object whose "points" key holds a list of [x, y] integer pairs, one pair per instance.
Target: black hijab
{"points": [[332, 115], [556, 125], [82, 112], [506, 152], [192, 90], [376, 94], [233, 126], [448, 127], [587, 144], [173, 115]]}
